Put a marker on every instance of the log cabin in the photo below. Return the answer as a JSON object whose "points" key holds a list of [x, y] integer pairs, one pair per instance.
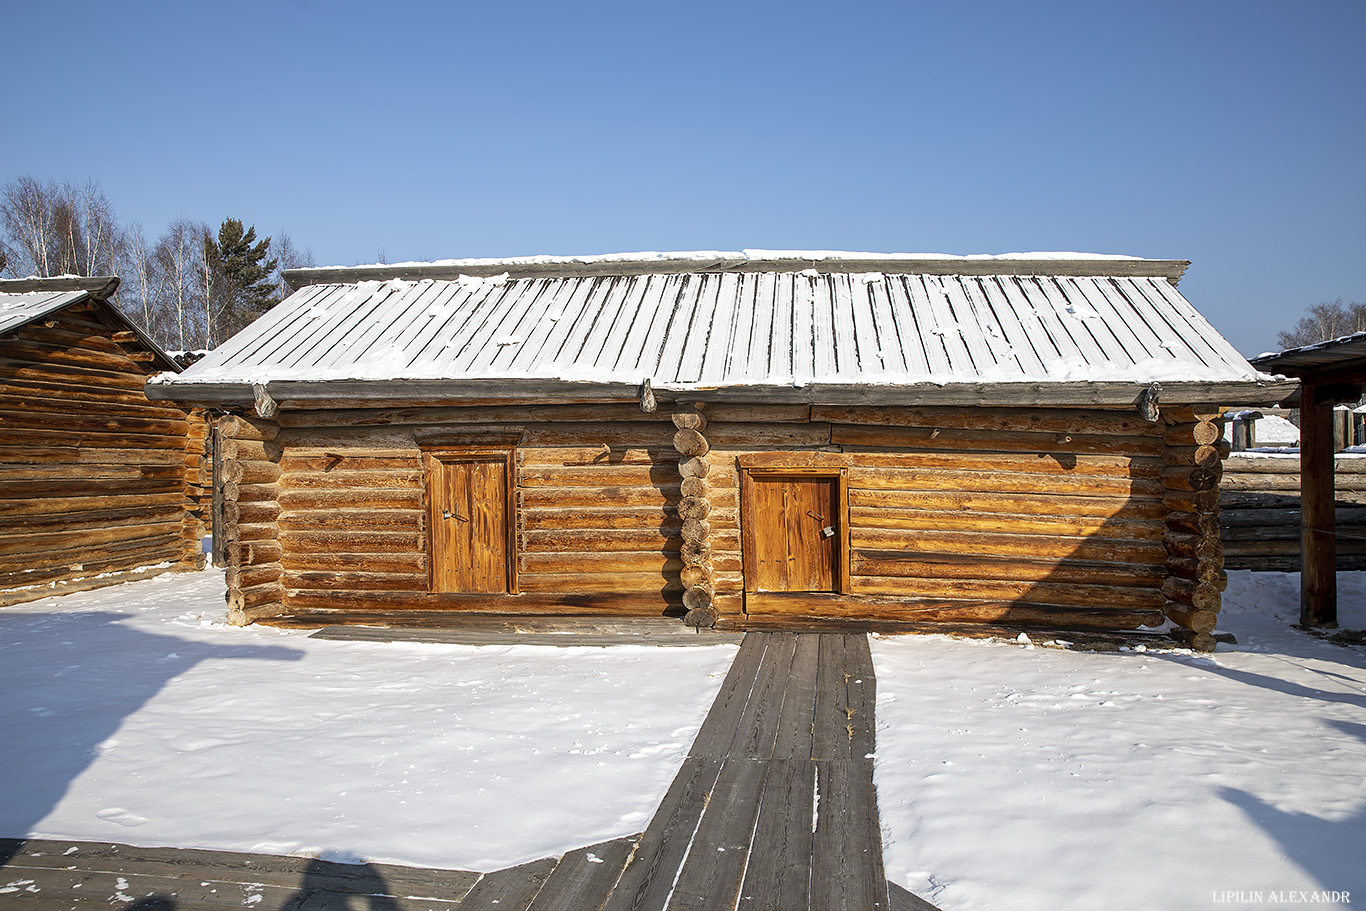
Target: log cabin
{"points": [[739, 440], [98, 485]]}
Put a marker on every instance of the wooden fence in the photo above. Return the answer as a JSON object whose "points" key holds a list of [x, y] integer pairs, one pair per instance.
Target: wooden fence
{"points": [[1259, 512]]}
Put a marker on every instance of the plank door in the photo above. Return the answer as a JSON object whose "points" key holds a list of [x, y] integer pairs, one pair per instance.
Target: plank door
{"points": [[469, 523], [794, 534]]}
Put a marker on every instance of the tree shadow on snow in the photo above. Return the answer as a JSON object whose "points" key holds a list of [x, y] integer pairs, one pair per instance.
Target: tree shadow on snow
{"points": [[1328, 850], [69, 680]]}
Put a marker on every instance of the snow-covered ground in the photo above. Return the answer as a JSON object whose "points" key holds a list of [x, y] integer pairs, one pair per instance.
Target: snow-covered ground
{"points": [[1029, 778], [133, 714], [1008, 776]]}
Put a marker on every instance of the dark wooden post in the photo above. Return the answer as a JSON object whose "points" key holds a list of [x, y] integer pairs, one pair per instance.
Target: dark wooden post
{"points": [[1318, 543]]}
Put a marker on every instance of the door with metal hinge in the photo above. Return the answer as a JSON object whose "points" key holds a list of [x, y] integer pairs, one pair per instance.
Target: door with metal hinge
{"points": [[794, 534], [468, 512]]}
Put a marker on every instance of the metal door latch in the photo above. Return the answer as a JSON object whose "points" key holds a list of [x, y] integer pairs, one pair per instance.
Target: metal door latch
{"points": [[828, 531]]}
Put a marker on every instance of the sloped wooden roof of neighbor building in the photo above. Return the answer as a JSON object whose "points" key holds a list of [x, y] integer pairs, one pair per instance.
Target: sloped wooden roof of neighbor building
{"points": [[782, 327], [28, 300]]}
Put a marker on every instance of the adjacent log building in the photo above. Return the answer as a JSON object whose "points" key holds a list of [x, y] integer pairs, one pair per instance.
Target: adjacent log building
{"points": [[97, 484], [741, 440]]}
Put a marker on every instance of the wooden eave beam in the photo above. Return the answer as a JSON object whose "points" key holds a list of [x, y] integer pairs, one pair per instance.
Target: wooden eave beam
{"points": [[100, 287], [299, 394], [1170, 269]]}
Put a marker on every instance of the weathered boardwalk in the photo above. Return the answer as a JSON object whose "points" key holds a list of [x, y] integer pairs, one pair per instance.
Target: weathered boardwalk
{"points": [[774, 808]]}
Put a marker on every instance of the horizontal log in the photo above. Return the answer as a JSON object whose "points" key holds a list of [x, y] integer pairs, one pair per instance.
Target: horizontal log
{"points": [[350, 498], [1281, 532], [78, 474], [352, 542], [1039, 546], [694, 575], [39, 421], [393, 479], [1008, 613], [558, 456], [72, 536], [895, 564], [925, 438], [252, 493], [240, 472], [51, 371], [235, 513], [1000, 481], [1191, 500], [128, 554], [479, 414], [1073, 526], [605, 476], [691, 443], [244, 616], [248, 576], [690, 419], [254, 553], [1197, 595], [695, 553], [1186, 414], [590, 497], [362, 580], [250, 450], [1203, 433], [662, 519], [1114, 466], [91, 407], [56, 437], [92, 488], [693, 508], [1203, 547], [420, 609], [238, 427], [693, 467], [741, 413], [59, 506], [1248, 463], [96, 518], [379, 563], [694, 487], [325, 461], [72, 389], [76, 454], [1191, 478], [1015, 504], [1199, 456], [1196, 642], [59, 355], [1195, 569], [697, 598], [1194, 523], [695, 529], [1000, 420], [579, 540], [749, 437], [581, 583], [255, 596], [1069, 594], [645, 561], [1345, 547]]}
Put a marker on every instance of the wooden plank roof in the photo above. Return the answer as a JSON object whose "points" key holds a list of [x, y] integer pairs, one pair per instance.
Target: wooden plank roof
{"points": [[28, 300], [781, 328]]}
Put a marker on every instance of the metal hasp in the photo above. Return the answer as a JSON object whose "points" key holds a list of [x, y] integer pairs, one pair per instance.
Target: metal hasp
{"points": [[1330, 373]]}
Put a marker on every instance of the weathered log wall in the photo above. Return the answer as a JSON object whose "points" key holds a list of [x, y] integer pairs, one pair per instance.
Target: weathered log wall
{"points": [[984, 515], [1259, 511], [95, 479], [1069, 519]]}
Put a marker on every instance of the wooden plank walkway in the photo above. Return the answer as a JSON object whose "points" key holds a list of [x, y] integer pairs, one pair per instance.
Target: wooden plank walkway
{"points": [[774, 809]]}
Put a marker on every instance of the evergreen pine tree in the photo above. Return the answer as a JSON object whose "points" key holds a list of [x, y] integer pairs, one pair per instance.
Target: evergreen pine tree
{"points": [[242, 276]]}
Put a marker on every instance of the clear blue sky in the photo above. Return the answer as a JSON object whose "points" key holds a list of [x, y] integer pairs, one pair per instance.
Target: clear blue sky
{"points": [[1232, 134]]}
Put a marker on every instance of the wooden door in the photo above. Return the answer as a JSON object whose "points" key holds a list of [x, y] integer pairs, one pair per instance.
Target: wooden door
{"points": [[794, 534], [469, 523]]}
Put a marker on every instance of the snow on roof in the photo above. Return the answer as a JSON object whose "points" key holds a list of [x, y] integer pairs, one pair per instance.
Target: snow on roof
{"points": [[779, 326], [18, 310]]}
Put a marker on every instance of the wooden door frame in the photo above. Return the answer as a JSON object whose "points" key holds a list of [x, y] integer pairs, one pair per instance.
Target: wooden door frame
{"points": [[758, 466], [432, 457]]}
